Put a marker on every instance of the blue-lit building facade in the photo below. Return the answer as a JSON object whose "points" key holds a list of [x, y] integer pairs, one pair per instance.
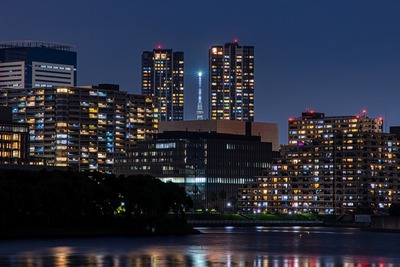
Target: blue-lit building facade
{"points": [[27, 64]]}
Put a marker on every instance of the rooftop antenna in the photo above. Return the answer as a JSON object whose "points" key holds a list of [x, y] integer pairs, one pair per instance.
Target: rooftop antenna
{"points": [[385, 122]]}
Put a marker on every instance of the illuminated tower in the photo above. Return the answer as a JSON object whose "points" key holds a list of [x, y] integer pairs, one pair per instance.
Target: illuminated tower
{"points": [[162, 78], [200, 112], [231, 82]]}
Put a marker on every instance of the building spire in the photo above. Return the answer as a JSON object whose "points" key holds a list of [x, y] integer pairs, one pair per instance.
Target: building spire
{"points": [[200, 112]]}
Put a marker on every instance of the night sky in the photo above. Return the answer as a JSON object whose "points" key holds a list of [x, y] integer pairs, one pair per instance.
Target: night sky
{"points": [[337, 57]]}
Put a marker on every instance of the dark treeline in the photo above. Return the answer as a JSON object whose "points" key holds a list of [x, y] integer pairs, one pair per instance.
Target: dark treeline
{"points": [[86, 200]]}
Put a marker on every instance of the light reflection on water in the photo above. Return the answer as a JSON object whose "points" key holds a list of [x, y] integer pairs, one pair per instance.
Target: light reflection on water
{"points": [[224, 246]]}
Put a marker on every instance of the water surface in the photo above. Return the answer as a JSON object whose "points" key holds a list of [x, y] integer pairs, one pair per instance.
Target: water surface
{"points": [[218, 246]]}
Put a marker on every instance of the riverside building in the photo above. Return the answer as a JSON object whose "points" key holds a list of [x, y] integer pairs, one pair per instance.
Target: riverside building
{"points": [[267, 131], [27, 64], [346, 169], [210, 164], [84, 128]]}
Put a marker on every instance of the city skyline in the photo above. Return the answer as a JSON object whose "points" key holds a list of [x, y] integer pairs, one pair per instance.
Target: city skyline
{"points": [[329, 57]]}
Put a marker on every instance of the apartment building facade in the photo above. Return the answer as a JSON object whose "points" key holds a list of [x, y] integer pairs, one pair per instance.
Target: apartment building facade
{"points": [[84, 128], [348, 167]]}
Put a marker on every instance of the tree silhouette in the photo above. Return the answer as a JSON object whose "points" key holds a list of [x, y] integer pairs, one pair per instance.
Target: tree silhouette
{"points": [[72, 199]]}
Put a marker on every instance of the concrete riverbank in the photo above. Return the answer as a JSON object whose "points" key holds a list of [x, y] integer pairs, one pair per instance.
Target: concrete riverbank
{"points": [[385, 224], [196, 223]]}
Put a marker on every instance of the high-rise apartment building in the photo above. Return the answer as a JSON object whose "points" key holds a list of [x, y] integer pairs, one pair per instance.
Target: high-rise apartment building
{"points": [[231, 82], [27, 64], [162, 78], [84, 128], [333, 165]]}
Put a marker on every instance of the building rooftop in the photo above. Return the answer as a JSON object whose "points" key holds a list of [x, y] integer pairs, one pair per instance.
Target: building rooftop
{"points": [[267, 131], [205, 135], [35, 44], [311, 114]]}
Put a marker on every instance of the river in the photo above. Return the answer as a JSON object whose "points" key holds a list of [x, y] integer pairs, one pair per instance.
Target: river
{"points": [[217, 246]]}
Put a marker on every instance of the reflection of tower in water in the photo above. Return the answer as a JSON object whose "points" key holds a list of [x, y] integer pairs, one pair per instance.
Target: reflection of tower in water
{"points": [[199, 111]]}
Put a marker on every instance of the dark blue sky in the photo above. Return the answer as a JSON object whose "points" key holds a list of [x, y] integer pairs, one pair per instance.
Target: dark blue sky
{"points": [[337, 57]]}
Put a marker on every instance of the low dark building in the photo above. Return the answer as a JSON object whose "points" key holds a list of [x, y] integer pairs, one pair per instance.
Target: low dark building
{"points": [[211, 166]]}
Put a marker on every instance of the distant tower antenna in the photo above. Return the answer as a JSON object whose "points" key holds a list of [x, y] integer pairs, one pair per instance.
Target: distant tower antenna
{"points": [[200, 112], [364, 113], [386, 122]]}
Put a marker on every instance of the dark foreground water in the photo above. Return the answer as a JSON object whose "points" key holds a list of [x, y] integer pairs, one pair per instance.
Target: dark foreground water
{"points": [[225, 246]]}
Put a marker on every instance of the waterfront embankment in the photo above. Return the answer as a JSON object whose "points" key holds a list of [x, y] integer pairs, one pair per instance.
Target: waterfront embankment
{"points": [[385, 224], [197, 223]]}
